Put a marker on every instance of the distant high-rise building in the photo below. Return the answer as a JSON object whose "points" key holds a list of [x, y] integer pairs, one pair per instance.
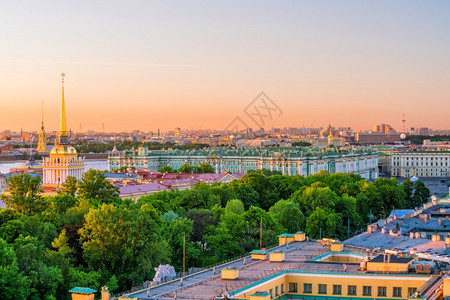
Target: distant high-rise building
{"points": [[424, 131], [383, 128], [177, 132]]}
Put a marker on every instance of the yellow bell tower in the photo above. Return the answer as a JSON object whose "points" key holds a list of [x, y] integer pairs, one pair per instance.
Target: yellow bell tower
{"points": [[63, 160], [41, 148]]}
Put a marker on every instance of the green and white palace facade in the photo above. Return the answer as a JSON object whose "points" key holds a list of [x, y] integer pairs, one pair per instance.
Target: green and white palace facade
{"points": [[289, 161]]}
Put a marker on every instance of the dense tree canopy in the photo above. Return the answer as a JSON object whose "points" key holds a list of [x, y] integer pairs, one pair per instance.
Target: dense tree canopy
{"points": [[87, 236]]}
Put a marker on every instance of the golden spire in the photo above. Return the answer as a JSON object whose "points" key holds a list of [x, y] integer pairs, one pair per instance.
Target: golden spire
{"points": [[42, 115], [63, 129], [63, 137], [42, 144]]}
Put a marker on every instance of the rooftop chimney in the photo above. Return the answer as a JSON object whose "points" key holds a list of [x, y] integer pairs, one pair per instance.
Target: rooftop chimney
{"points": [[105, 293]]}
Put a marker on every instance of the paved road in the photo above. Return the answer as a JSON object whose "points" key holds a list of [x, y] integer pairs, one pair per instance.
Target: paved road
{"points": [[172, 286]]}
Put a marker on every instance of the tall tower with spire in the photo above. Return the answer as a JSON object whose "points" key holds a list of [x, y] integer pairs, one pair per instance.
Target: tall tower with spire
{"points": [[63, 136], [63, 160], [42, 144]]}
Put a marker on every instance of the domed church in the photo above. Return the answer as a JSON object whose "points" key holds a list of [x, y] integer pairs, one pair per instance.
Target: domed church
{"points": [[63, 160]]}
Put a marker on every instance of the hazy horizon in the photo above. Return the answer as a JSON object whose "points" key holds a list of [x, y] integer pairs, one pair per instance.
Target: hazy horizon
{"points": [[148, 65]]}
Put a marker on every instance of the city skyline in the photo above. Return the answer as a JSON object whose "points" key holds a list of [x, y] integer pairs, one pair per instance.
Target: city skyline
{"points": [[146, 65]]}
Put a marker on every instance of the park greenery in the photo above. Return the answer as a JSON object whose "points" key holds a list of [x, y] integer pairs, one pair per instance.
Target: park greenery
{"points": [[185, 168], [87, 236], [418, 139], [86, 147], [301, 144]]}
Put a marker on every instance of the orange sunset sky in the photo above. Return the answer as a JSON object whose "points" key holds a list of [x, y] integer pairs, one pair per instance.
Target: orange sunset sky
{"points": [[197, 64]]}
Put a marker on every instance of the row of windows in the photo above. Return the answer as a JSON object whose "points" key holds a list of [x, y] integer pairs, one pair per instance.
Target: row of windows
{"points": [[423, 158], [351, 290], [280, 288]]}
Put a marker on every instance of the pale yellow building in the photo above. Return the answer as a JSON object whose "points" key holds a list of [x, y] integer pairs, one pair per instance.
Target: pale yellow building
{"points": [[320, 285], [421, 164]]}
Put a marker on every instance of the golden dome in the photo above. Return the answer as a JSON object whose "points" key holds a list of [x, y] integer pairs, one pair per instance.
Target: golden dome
{"points": [[63, 150]]}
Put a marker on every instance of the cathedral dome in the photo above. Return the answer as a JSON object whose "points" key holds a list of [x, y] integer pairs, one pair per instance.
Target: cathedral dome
{"points": [[63, 150]]}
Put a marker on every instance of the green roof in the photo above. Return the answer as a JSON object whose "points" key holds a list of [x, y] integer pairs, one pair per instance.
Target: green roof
{"points": [[82, 290], [261, 294], [258, 252], [286, 235]]}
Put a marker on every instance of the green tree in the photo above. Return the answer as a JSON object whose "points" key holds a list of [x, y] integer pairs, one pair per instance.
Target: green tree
{"points": [[167, 169], [270, 227], [11, 230], [346, 207], [283, 186], [260, 184], [323, 220], [421, 194], [301, 144], [46, 233], [374, 201], [60, 203], [173, 233], [61, 243], [314, 196], [288, 215], [169, 216], [265, 172], [230, 237], [69, 187], [44, 279], [7, 215], [235, 206], [391, 193], [13, 285], [186, 169], [245, 193], [202, 219], [408, 188], [85, 279], [124, 242], [24, 194], [94, 187], [205, 168]]}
